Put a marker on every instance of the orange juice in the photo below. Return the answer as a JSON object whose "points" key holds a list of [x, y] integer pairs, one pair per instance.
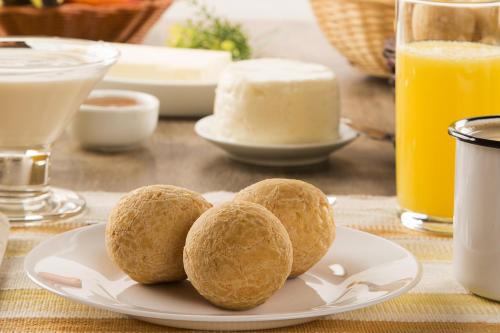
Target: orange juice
{"points": [[437, 83]]}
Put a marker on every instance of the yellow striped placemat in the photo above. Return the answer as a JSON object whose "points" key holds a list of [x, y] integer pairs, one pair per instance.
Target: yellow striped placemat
{"points": [[437, 304]]}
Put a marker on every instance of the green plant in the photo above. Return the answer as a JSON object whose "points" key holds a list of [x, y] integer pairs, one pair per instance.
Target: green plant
{"points": [[210, 32]]}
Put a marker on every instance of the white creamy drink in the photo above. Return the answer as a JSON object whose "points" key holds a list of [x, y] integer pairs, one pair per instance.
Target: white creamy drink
{"points": [[35, 107], [43, 81]]}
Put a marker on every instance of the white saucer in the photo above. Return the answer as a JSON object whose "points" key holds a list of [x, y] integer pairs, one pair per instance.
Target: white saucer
{"points": [[375, 270], [275, 155]]}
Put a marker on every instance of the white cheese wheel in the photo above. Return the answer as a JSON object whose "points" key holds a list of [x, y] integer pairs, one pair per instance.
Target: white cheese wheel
{"points": [[277, 101]]}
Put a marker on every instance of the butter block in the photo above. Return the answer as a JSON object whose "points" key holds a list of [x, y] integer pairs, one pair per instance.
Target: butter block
{"points": [[165, 63], [277, 101]]}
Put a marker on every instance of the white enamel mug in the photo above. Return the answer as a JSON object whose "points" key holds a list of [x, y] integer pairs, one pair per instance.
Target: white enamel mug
{"points": [[476, 221]]}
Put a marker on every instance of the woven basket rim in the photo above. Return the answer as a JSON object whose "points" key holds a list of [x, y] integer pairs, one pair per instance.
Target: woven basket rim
{"points": [[131, 21], [77, 7], [357, 28]]}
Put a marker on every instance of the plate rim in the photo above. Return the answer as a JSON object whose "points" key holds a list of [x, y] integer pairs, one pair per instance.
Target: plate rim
{"points": [[29, 270], [161, 83], [351, 136]]}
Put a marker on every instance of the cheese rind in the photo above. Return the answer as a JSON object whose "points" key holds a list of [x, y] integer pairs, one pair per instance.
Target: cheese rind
{"points": [[277, 101]]}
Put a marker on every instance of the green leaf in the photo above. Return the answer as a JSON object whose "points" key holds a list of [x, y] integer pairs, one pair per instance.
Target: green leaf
{"points": [[210, 32]]}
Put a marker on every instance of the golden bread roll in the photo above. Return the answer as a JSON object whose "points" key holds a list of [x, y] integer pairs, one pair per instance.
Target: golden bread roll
{"points": [[237, 255], [443, 23], [304, 211], [147, 229], [487, 25]]}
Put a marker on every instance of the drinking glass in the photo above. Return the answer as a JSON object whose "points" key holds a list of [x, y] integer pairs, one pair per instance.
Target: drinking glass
{"points": [[43, 81], [447, 68]]}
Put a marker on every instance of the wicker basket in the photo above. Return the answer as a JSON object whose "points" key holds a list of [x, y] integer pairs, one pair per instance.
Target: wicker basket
{"points": [[113, 23], [358, 29]]}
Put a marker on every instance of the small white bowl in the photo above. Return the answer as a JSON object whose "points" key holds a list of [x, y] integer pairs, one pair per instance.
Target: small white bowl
{"points": [[115, 128]]}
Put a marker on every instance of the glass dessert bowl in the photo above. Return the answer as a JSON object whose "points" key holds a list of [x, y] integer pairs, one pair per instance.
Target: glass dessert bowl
{"points": [[43, 81]]}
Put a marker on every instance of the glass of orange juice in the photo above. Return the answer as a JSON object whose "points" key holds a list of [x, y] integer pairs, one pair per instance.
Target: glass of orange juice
{"points": [[447, 68]]}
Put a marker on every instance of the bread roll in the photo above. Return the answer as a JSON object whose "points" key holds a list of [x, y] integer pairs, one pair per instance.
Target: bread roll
{"points": [[304, 211], [443, 23], [147, 230], [237, 255]]}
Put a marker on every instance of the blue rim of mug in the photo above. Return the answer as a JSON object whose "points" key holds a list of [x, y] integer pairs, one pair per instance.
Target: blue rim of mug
{"points": [[456, 130]]}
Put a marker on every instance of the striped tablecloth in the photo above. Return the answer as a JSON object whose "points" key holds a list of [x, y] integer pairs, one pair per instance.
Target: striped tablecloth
{"points": [[437, 304]]}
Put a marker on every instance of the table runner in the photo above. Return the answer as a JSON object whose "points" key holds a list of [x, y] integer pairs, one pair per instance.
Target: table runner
{"points": [[437, 304]]}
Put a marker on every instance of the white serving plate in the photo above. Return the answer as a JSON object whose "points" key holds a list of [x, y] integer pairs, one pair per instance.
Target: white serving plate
{"points": [[275, 155], [177, 98], [360, 270]]}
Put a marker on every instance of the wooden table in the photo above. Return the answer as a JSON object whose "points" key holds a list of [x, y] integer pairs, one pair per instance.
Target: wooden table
{"points": [[175, 155]]}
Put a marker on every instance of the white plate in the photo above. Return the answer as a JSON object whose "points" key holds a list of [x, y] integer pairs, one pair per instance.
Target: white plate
{"points": [[177, 98], [275, 155], [376, 271]]}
